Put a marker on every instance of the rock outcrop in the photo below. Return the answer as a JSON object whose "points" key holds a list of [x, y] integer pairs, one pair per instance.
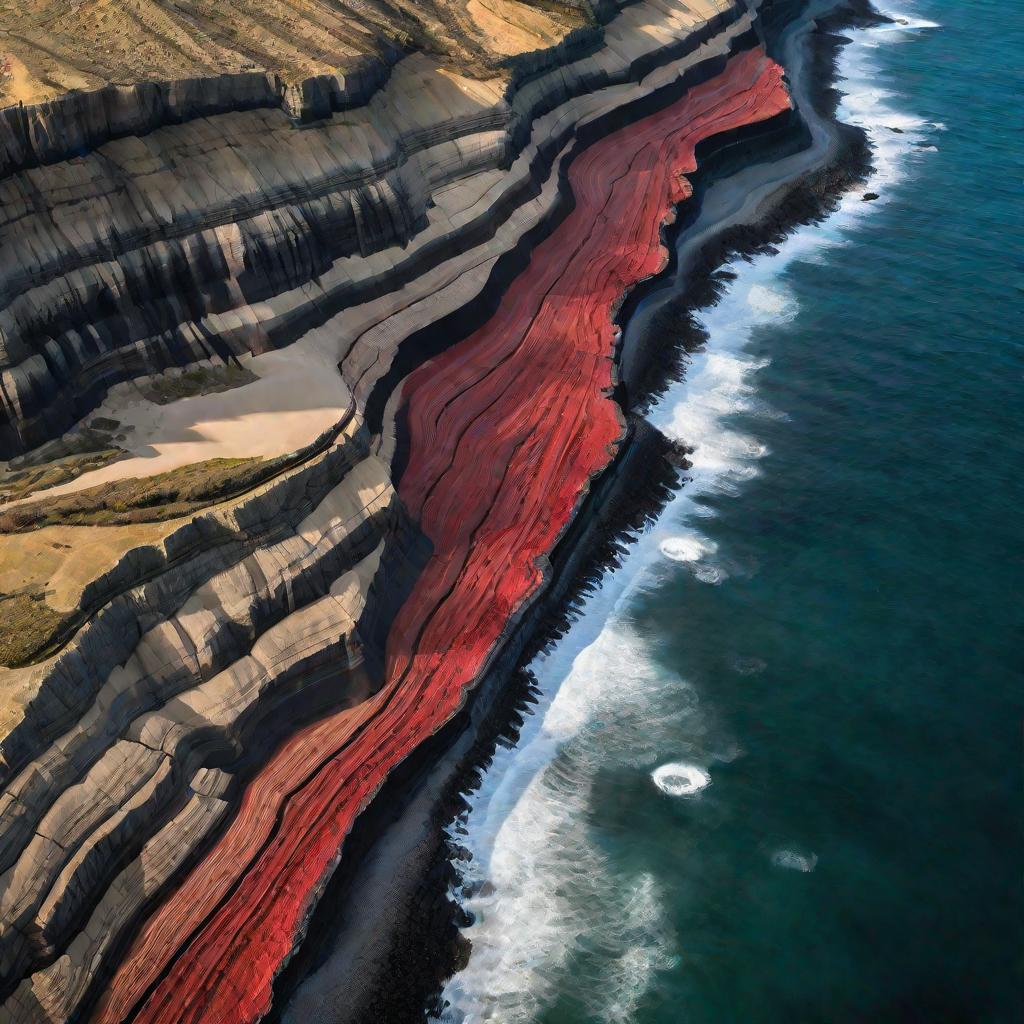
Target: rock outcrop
{"points": [[184, 757]]}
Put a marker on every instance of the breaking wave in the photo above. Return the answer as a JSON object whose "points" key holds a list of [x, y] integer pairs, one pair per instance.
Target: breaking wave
{"points": [[690, 547]]}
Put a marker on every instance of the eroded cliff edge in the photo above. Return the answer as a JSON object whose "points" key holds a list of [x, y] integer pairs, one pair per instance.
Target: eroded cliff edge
{"points": [[239, 628]]}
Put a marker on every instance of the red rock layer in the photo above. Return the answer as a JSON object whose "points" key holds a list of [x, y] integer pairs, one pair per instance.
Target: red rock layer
{"points": [[506, 431]]}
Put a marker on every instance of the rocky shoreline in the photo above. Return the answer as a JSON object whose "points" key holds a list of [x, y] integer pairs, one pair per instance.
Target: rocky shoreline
{"points": [[265, 625], [412, 867]]}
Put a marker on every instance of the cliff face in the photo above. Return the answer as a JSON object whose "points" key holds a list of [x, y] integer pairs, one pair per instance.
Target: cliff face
{"points": [[304, 570]]}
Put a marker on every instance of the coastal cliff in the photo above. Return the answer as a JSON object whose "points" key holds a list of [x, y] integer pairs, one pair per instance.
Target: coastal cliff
{"points": [[307, 387]]}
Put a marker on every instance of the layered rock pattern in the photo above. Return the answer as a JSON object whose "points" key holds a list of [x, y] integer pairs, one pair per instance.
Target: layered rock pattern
{"points": [[185, 767], [506, 431], [233, 234]]}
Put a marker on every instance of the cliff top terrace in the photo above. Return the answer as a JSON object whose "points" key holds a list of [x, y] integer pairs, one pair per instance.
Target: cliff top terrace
{"points": [[49, 48]]}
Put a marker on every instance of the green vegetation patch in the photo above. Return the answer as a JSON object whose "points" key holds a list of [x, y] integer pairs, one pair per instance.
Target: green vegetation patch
{"points": [[30, 625], [178, 492]]}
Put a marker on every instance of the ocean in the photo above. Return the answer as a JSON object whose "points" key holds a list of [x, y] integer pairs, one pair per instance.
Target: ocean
{"points": [[774, 770]]}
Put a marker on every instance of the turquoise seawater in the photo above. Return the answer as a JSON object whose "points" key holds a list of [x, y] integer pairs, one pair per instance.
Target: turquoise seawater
{"points": [[775, 771]]}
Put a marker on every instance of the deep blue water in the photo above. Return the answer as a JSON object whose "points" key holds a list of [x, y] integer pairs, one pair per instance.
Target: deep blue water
{"points": [[820, 641]]}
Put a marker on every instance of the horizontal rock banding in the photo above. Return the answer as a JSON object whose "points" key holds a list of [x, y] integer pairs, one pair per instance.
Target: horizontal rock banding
{"points": [[228, 235], [73, 76], [505, 432]]}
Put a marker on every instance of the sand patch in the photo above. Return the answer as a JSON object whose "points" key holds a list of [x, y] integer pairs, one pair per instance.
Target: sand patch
{"points": [[17, 84], [298, 394]]}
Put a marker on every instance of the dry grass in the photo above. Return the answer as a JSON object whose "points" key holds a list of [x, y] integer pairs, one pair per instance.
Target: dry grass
{"points": [[43, 575], [53, 46], [52, 549], [30, 625]]}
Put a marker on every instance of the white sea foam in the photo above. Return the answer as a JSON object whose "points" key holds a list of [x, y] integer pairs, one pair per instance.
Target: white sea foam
{"points": [[551, 891], [545, 900], [793, 861], [905, 23], [680, 779], [773, 303], [711, 574], [868, 104], [644, 951], [689, 547]]}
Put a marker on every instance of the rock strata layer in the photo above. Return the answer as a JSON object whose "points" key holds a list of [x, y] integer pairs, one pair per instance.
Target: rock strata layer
{"points": [[182, 765]]}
